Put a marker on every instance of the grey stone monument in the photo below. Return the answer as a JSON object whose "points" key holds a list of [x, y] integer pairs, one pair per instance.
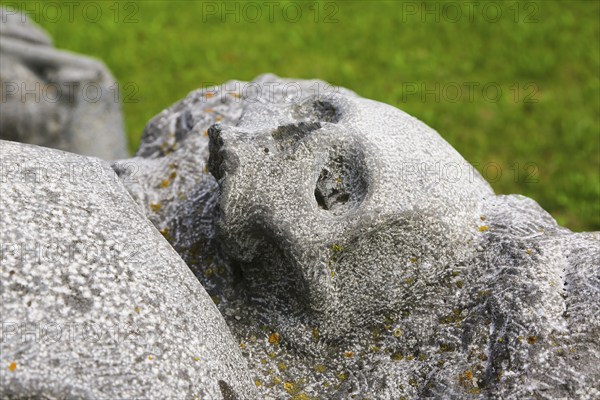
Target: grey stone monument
{"points": [[55, 98], [351, 252], [355, 254]]}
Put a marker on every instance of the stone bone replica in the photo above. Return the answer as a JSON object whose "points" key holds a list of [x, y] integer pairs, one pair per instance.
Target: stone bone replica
{"points": [[56, 98], [345, 272]]}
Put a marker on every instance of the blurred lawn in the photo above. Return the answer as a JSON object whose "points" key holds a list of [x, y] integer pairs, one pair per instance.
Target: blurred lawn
{"points": [[384, 50]]}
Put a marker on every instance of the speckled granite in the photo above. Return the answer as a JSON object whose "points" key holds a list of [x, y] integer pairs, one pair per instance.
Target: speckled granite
{"points": [[349, 263], [351, 251], [95, 303]]}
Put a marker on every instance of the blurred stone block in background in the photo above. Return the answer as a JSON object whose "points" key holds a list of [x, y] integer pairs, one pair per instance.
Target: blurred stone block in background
{"points": [[56, 98]]}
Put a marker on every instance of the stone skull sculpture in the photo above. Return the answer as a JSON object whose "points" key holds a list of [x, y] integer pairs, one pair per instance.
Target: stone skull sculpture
{"points": [[336, 193], [355, 254]]}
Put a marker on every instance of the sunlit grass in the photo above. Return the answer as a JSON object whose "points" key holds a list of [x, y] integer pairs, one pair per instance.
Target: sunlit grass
{"points": [[547, 54]]}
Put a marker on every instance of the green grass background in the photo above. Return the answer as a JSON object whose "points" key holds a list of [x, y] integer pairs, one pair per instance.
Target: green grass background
{"points": [[376, 48]]}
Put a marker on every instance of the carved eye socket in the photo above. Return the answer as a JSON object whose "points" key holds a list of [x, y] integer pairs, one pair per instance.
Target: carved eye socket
{"points": [[342, 183]]}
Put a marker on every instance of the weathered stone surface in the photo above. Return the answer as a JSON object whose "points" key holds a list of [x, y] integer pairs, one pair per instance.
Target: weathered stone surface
{"points": [[55, 98], [95, 303], [347, 267]]}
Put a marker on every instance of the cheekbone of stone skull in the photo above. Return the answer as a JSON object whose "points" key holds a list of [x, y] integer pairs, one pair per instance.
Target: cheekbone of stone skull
{"points": [[319, 205]]}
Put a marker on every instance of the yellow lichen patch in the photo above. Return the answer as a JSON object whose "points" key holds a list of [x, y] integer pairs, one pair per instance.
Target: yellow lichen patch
{"points": [[483, 228], [276, 381], [242, 345], [300, 396], [274, 338], [348, 354], [466, 379], [529, 251], [219, 119], [290, 387], [397, 356], [263, 361], [258, 383], [137, 309], [173, 175], [316, 335], [208, 272], [205, 133], [272, 355], [216, 299], [422, 357], [452, 318], [196, 358], [320, 368], [209, 110], [155, 207], [165, 233], [336, 248], [376, 333], [532, 339], [413, 260], [482, 218], [150, 358], [12, 367], [409, 281], [281, 366], [342, 376], [165, 183], [398, 332], [445, 347], [500, 340]]}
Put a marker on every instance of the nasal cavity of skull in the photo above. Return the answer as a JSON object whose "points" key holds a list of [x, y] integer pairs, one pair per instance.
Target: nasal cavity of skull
{"points": [[341, 185], [289, 136]]}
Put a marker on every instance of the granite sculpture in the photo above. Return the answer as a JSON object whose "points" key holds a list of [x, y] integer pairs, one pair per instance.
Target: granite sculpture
{"points": [[55, 98]]}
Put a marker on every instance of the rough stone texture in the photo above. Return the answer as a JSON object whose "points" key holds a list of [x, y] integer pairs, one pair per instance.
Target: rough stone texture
{"points": [[56, 98], [95, 303], [355, 254]]}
